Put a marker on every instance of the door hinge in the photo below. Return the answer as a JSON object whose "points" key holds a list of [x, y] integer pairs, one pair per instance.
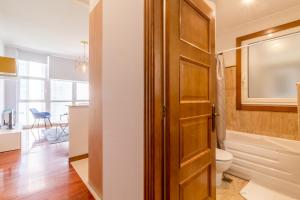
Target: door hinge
{"points": [[164, 111]]}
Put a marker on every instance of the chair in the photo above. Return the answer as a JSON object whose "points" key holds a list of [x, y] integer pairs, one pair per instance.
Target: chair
{"points": [[40, 115], [63, 124]]}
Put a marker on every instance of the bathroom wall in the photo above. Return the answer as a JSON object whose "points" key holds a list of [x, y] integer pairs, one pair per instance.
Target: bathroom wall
{"points": [[276, 124]]}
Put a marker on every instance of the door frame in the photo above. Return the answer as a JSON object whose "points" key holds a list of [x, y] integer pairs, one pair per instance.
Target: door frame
{"points": [[153, 100]]}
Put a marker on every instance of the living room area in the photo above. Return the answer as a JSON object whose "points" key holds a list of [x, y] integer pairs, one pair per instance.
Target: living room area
{"points": [[44, 96], [36, 100]]}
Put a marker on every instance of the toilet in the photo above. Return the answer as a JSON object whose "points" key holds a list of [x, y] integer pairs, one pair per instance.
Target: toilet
{"points": [[223, 163]]}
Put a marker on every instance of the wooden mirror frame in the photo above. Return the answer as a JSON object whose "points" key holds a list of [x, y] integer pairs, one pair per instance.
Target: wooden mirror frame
{"points": [[259, 107]]}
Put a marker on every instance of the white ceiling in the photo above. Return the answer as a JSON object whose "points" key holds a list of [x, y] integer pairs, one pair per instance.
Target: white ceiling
{"points": [[52, 26], [234, 12], [58, 26]]}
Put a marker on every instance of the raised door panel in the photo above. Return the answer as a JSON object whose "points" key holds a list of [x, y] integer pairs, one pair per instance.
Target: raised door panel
{"points": [[196, 187], [194, 26], [194, 82], [193, 137]]}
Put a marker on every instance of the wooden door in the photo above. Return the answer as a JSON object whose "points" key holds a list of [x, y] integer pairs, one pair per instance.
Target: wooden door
{"points": [[190, 94]]}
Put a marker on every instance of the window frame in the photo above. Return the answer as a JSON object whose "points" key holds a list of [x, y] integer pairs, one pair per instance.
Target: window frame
{"points": [[243, 102]]}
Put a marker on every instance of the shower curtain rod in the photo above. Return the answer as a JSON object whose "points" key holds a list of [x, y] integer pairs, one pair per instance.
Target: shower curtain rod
{"points": [[255, 43]]}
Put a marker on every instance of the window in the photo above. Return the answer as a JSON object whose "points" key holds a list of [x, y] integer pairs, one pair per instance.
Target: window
{"points": [[35, 90], [61, 90], [31, 89], [65, 93], [61, 97], [82, 91], [269, 68], [31, 69], [279, 61], [58, 109]]}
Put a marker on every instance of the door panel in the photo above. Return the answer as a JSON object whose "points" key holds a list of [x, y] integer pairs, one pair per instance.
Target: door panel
{"points": [[196, 187], [194, 27], [190, 94], [193, 137], [193, 82]]}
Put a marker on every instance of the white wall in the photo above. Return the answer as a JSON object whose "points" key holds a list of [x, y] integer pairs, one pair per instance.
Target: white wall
{"points": [[123, 83], [226, 38]]}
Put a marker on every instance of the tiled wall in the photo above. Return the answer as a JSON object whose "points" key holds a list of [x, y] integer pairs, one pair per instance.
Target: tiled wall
{"points": [[276, 124]]}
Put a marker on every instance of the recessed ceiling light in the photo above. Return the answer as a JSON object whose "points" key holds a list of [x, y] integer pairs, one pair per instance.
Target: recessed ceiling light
{"points": [[276, 46], [270, 35], [247, 2]]}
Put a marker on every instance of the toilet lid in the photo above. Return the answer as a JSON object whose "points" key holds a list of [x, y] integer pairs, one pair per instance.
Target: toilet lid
{"points": [[222, 155]]}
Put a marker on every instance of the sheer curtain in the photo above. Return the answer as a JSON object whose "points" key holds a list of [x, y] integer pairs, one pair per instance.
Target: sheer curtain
{"points": [[221, 104]]}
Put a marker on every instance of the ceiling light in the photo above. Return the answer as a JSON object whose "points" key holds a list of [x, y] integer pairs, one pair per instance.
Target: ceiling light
{"points": [[276, 45], [270, 35], [247, 2], [82, 64]]}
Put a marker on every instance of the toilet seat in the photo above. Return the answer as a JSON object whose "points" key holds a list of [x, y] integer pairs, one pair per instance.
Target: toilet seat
{"points": [[222, 155]]}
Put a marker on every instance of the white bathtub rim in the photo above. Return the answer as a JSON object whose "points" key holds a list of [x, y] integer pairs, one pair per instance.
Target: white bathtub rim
{"points": [[279, 144]]}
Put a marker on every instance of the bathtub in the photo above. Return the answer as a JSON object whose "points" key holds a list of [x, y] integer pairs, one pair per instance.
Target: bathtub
{"points": [[271, 162]]}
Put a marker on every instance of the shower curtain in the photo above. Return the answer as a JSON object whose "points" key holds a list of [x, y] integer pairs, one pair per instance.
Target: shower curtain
{"points": [[221, 104]]}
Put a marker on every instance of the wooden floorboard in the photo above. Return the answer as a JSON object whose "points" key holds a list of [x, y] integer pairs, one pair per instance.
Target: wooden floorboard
{"points": [[43, 173]]}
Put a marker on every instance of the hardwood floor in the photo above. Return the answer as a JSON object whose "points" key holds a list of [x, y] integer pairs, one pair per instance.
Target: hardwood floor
{"points": [[42, 173]]}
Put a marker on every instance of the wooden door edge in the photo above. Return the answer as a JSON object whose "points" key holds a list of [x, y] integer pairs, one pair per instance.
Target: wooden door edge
{"points": [[153, 100]]}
